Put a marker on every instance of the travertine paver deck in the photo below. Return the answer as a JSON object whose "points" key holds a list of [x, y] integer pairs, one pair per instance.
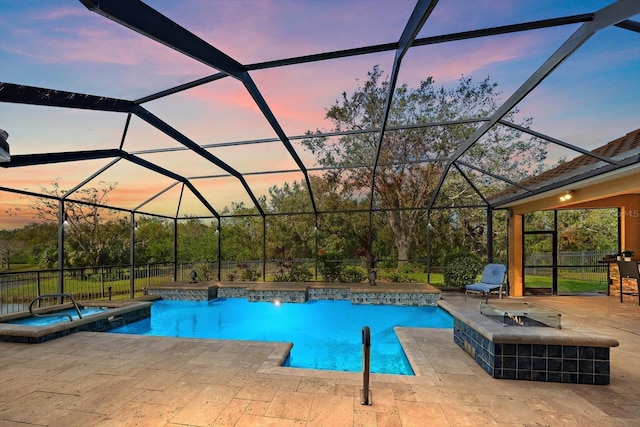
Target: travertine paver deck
{"points": [[94, 379]]}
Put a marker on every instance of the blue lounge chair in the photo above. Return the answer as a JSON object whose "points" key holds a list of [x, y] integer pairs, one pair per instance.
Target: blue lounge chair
{"points": [[492, 279]]}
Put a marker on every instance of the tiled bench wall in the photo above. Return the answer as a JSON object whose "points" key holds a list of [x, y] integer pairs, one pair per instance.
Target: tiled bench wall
{"points": [[229, 292], [272, 295], [298, 295], [328, 293], [399, 298], [186, 294], [536, 362]]}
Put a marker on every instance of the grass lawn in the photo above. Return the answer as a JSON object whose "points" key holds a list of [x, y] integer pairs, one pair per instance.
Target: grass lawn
{"points": [[566, 284]]}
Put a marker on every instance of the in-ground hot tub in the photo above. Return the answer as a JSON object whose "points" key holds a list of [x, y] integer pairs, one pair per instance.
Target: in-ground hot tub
{"points": [[507, 346], [115, 313]]}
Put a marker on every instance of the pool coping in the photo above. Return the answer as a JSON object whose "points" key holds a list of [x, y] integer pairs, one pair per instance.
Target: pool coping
{"points": [[273, 364], [497, 333]]}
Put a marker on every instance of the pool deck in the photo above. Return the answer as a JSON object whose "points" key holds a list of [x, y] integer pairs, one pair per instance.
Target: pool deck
{"points": [[103, 379]]}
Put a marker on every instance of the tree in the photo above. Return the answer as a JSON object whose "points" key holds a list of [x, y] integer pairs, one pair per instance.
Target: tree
{"points": [[413, 155], [290, 234], [94, 235], [8, 249], [241, 233], [154, 241], [196, 241], [587, 230]]}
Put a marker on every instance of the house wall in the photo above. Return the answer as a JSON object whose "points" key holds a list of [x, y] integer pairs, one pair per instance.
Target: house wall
{"points": [[618, 192]]}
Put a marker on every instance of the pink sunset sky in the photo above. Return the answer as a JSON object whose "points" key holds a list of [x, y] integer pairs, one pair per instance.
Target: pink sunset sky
{"points": [[589, 100]]}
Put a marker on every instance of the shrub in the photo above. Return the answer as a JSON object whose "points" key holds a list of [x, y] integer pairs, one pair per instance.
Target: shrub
{"points": [[293, 273], [399, 277], [410, 267], [330, 266], [300, 273], [461, 269], [248, 274], [206, 271], [352, 274]]}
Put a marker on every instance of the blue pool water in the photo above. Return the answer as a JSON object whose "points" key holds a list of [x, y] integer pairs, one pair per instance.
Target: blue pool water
{"points": [[325, 334], [50, 320]]}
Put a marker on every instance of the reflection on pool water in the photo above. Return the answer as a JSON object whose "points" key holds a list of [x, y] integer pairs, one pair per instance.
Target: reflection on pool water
{"points": [[325, 334], [60, 316]]}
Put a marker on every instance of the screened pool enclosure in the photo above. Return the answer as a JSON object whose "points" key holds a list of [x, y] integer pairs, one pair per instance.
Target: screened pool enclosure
{"points": [[282, 135]]}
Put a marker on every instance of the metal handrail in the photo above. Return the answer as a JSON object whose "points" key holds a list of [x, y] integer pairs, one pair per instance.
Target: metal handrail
{"points": [[75, 305], [365, 395]]}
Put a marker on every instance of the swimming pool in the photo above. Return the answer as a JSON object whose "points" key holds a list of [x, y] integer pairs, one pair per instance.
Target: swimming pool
{"points": [[325, 334]]}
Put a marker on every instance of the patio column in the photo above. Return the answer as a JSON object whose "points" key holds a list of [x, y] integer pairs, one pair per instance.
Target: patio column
{"points": [[516, 273], [630, 224]]}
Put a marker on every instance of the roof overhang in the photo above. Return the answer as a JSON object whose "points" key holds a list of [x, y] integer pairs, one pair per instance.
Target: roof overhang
{"points": [[619, 181]]}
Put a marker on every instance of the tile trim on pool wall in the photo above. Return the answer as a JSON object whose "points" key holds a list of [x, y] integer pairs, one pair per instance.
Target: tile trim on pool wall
{"points": [[329, 294], [293, 293], [395, 298]]}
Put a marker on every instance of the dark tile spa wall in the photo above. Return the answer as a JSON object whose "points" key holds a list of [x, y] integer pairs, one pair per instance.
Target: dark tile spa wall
{"points": [[536, 362]]}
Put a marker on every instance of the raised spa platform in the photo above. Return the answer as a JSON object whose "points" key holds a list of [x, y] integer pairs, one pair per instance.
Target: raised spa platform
{"points": [[118, 313], [537, 353], [409, 294]]}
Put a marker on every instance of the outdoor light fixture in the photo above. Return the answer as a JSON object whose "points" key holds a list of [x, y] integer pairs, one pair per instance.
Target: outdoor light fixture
{"points": [[65, 223], [277, 302], [566, 196], [4, 147]]}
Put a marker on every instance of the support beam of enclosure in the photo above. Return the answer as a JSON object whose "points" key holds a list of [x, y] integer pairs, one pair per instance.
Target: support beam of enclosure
{"points": [[424, 41], [145, 20], [605, 17], [165, 128], [21, 94], [148, 165], [385, 47], [628, 24], [418, 17], [557, 141], [47, 97]]}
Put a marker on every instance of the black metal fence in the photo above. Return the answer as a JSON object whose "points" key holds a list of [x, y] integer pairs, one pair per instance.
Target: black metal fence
{"points": [[18, 289]]}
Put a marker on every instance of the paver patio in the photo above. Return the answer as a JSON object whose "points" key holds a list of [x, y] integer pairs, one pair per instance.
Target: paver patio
{"points": [[101, 379]]}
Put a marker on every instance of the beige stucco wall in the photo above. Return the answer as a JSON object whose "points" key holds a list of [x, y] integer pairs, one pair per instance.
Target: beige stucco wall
{"points": [[619, 192]]}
